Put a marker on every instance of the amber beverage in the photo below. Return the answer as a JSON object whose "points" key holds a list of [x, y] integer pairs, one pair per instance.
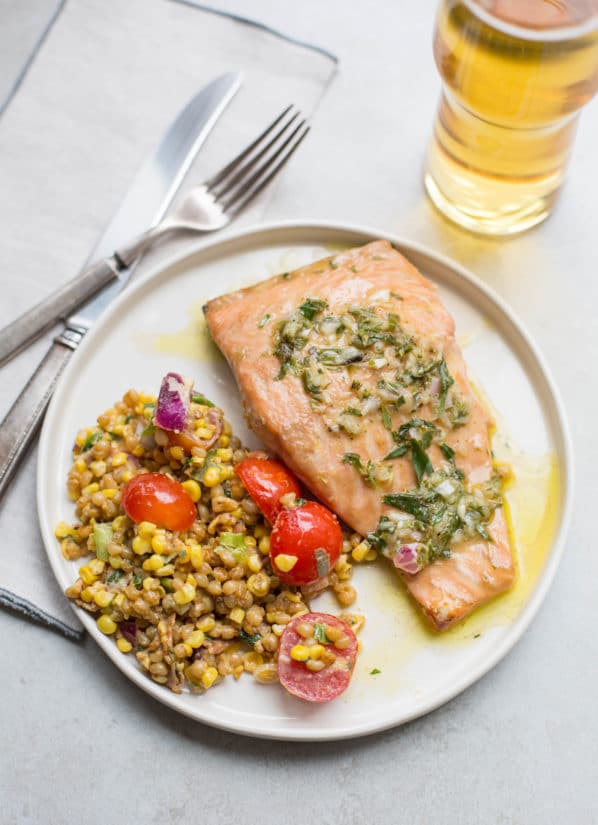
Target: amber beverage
{"points": [[515, 74]]}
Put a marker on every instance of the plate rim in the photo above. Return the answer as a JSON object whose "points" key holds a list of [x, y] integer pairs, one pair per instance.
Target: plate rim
{"points": [[560, 426]]}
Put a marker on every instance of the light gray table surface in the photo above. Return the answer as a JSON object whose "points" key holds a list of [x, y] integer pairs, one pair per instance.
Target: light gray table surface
{"points": [[81, 743]]}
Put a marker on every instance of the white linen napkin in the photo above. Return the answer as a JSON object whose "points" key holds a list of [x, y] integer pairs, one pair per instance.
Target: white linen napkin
{"points": [[106, 81]]}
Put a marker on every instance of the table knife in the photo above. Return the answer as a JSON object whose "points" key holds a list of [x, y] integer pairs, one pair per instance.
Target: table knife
{"points": [[144, 205]]}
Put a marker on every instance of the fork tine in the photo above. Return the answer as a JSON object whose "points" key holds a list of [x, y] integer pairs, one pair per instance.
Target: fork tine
{"points": [[256, 183], [219, 176], [230, 183]]}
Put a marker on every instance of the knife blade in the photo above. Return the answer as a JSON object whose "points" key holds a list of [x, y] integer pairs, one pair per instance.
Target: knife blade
{"points": [[144, 205]]}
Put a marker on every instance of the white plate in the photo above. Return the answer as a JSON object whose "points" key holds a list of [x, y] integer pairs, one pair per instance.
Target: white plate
{"points": [[155, 326]]}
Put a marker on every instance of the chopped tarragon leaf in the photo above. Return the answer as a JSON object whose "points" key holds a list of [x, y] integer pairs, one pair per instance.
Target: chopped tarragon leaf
{"points": [[311, 306], [149, 429], [201, 399], [352, 411], [264, 320], [446, 382], [90, 441], [421, 462], [138, 581], [386, 419], [299, 502], [249, 638], [398, 452], [320, 634], [414, 503], [285, 276], [339, 357], [366, 471], [375, 671], [415, 435], [447, 451], [115, 576]]}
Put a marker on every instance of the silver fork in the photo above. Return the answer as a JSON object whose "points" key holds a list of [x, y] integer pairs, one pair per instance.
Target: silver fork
{"points": [[206, 208]]}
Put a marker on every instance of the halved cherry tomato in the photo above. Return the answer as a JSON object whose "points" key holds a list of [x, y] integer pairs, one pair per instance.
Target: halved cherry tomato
{"points": [[333, 678], [158, 498], [305, 543], [266, 481]]}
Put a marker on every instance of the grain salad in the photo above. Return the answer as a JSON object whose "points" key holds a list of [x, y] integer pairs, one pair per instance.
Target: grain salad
{"points": [[192, 605]]}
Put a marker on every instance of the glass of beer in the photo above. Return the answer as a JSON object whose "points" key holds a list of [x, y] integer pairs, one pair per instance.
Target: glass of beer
{"points": [[515, 74]]}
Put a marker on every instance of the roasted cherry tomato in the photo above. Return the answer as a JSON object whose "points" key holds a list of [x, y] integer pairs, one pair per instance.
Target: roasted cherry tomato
{"points": [[316, 657], [158, 498], [266, 481], [305, 544]]}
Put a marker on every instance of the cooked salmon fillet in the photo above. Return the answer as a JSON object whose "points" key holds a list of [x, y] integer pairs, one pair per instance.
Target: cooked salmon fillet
{"points": [[302, 427]]}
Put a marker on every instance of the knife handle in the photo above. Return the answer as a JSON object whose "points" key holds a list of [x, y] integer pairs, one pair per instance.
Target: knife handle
{"points": [[60, 304], [21, 423]]}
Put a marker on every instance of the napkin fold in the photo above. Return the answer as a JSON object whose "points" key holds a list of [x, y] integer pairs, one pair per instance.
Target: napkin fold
{"points": [[92, 102]]}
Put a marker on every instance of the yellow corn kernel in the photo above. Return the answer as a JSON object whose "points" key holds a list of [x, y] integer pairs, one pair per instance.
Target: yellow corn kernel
{"points": [[97, 566], [252, 660], [211, 477], [190, 579], [266, 674], [237, 615], [360, 552], [250, 541], [342, 643], [119, 600], [110, 492], [197, 556], [124, 645], [118, 459], [300, 653], [224, 440], [315, 664], [259, 531], [258, 584], [184, 556], [62, 530], [91, 488], [149, 583], [103, 598], [126, 476], [203, 432], [264, 545], [87, 595], [254, 563], [73, 495], [141, 546], [185, 595], [106, 625], [285, 562], [154, 563], [316, 651], [82, 437], [116, 562], [86, 576], [278, 629], [80, 465], [98, 468], [158, 543], [118, 429], [166, 570], [196, 639], [206, 623], [177, 453], [371, 555], [119, 522], [192, 488], [333, 633], [138, 450], [146, 529], [147, 398], [209, 677], [224, 454]]}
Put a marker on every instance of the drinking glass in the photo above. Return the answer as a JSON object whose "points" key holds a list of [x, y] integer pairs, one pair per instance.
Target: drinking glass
{"points": [[515, 75]]}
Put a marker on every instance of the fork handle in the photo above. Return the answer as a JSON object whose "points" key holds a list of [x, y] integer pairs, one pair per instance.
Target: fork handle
{"points": [[22, 421], [60, 304]]}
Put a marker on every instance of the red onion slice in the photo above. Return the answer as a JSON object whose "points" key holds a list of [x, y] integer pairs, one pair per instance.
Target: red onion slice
{"points": [[407, 558], [174, 399]]}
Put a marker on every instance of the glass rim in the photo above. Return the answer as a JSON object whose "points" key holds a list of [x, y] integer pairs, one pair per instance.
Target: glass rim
{"points": [[553, 33]]}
